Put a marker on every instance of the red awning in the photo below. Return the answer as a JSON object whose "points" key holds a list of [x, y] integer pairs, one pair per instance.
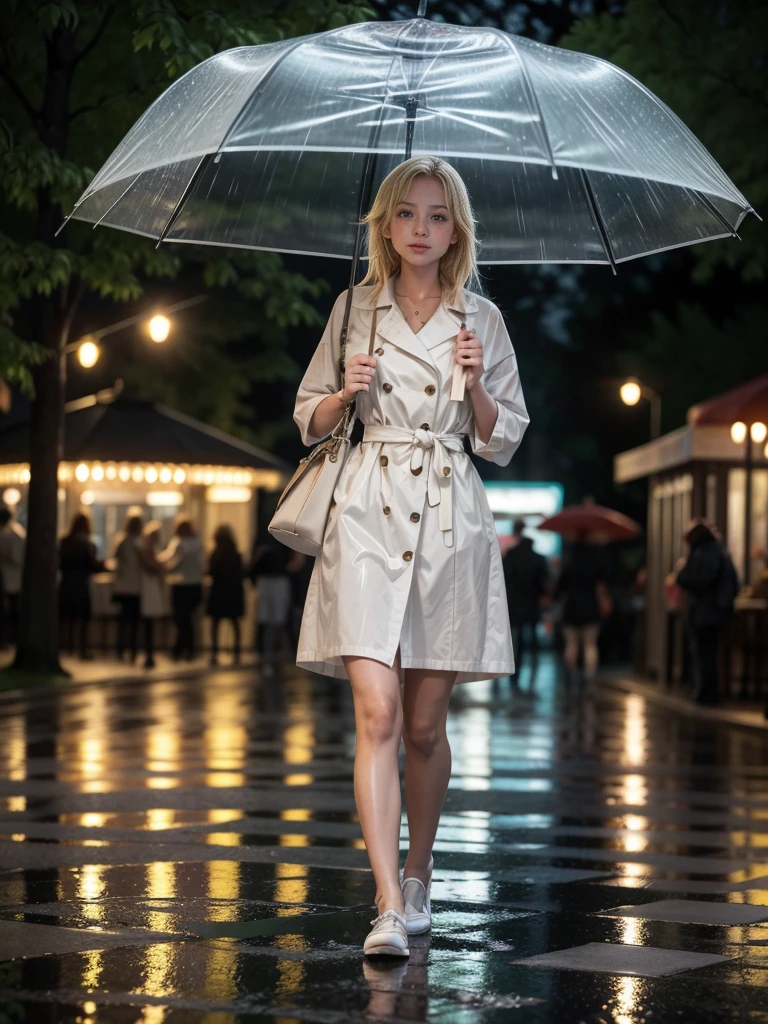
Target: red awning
{"points": [[747, 403]]}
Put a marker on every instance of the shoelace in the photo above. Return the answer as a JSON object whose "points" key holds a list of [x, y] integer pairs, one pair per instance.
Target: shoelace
{"points": [[383, 917]]}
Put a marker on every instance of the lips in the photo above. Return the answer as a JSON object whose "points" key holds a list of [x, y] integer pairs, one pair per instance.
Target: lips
{"points": [[418, 248]]}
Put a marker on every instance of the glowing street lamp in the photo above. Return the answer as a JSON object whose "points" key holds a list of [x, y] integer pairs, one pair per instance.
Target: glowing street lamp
{"points": [[88, 354], [631, 391], [159, 328]]}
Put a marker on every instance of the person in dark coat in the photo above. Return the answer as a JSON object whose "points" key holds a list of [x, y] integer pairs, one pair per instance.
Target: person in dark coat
{"points": [[525, 577], [583, 589], [271, 574], [78, 561], [225, 599], [712, 583]]}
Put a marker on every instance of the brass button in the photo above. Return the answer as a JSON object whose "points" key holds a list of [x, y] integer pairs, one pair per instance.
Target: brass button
{"points": [[407, 555], [379, 351], [383, 460], [387, 387], [415, 517], [387, 510], [446, 470], [430, 389], [425, 426]]}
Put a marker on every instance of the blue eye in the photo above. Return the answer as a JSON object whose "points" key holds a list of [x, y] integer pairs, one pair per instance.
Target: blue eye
{"points": [[440, 216]]}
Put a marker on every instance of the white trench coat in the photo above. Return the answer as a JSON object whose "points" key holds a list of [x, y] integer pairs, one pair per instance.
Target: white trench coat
{"points": [[410, 557]]}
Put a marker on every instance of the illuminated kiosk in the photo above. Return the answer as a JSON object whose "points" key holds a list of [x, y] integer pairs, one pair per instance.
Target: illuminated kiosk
{"points": [[714, 466], [125, 452]]}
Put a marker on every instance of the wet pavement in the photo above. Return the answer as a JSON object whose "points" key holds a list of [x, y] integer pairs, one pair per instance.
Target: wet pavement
{"points": [[186, 851]]}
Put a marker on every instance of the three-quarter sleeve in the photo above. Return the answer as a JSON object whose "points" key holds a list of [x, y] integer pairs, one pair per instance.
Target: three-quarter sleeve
{"points": [[323, 376], [502, 382]]}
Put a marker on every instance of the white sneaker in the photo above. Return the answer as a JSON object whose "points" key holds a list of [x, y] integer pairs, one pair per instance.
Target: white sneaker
{"points": [[388, 937], [418, 910]]}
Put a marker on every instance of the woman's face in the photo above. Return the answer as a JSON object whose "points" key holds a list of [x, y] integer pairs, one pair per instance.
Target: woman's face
{"points": [[422, 228]]}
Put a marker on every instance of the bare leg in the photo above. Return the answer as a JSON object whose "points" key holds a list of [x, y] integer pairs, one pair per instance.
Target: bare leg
{"points": [[379, 726], [591, 656], [571, 653], [427, 763]]}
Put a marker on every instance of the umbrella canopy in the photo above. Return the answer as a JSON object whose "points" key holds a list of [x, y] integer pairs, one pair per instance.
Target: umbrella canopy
{"points": [[575, 521], [567, 157]]}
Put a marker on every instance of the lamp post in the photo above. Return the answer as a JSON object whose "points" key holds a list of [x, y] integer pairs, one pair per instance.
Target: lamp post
{"points": [[755, 431], [158, 329], [631, 391]]}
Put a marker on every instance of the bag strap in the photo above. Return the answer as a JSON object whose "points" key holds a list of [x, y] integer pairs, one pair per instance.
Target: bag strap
{"points": [[347, 420]]}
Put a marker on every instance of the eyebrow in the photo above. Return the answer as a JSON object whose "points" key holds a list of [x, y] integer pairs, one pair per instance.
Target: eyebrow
{"points": [[438, 207]]}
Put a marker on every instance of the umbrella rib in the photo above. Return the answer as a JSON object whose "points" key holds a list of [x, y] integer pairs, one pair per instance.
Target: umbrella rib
{"points": [[182, 198], [121, 196], [716, 213], [533, 101], [597, 218]]}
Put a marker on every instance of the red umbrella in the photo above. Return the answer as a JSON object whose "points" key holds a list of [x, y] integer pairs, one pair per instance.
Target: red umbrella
{"points": [[576, 521]]}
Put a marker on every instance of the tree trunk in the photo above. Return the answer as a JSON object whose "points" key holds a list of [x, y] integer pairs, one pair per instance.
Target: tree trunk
{"points": [[38, 633]]}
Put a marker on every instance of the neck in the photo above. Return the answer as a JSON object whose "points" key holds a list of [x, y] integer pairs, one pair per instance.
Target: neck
{"points": [[418, 282]]}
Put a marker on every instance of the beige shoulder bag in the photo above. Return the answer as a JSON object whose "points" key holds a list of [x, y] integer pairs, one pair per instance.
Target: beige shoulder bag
{"points": [[302, 511]]}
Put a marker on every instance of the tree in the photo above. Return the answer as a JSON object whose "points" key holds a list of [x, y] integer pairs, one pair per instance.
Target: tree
{"points": [[74, 77]]}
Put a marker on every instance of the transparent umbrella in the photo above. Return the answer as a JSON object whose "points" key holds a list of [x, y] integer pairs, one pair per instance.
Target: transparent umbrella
{"points": [[568, 159]]}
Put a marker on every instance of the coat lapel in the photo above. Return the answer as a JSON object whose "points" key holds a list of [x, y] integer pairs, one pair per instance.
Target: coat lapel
{"points": [[392, 325]]}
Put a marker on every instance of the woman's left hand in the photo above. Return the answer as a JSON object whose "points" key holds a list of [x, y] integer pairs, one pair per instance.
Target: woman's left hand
{"points": [[469, 353]]}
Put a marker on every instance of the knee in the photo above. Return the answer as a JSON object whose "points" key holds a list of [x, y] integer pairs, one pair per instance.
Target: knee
{"points": [[381, 724], [422, 738]]}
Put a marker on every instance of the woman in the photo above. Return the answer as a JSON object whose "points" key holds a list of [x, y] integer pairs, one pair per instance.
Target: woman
{"points": [[126, 586], [184, 558], [583, 589], [409, 585], [78, 562], [225, 600], [152, 596]]}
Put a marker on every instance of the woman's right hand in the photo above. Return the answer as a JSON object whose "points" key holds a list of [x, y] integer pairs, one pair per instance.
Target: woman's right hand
{"points": [[358, 375]]}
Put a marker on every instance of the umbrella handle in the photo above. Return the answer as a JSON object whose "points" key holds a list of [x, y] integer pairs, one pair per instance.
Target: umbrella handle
{"points": [[459, 381]]}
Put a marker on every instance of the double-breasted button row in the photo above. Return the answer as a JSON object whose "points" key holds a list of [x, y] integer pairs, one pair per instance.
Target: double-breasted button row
{"points": [[387, 387], [415, 517], [407, 555], [430, 389]]}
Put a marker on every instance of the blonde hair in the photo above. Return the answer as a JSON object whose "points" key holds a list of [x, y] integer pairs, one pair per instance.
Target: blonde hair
{"points": [[458, 266]]}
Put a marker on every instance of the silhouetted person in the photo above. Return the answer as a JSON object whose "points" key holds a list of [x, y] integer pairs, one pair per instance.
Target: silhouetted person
{"points": [[226, 599], [269, 571], [13, 539], [184, 559], [525, 577], [152, 596], [583, 587], [78, 561], [712, 583], [126, 585]]}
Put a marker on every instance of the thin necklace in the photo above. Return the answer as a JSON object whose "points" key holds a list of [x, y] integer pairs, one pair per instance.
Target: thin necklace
{"points": [[402, 295]]}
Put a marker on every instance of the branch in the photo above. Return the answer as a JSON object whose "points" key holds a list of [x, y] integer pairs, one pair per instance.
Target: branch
{"points": [[14, 86], [100, 30]]}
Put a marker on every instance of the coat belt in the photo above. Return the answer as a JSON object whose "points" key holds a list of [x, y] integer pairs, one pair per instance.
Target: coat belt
{"points": [[436, 447]]}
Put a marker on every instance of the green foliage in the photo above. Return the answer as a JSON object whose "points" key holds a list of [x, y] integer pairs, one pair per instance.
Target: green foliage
{"points": [[706, 60], [109, 61]]}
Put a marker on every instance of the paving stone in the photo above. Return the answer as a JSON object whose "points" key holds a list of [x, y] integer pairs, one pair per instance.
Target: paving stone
{"points": [[611, 958], [693, 912], [20, 939]]}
